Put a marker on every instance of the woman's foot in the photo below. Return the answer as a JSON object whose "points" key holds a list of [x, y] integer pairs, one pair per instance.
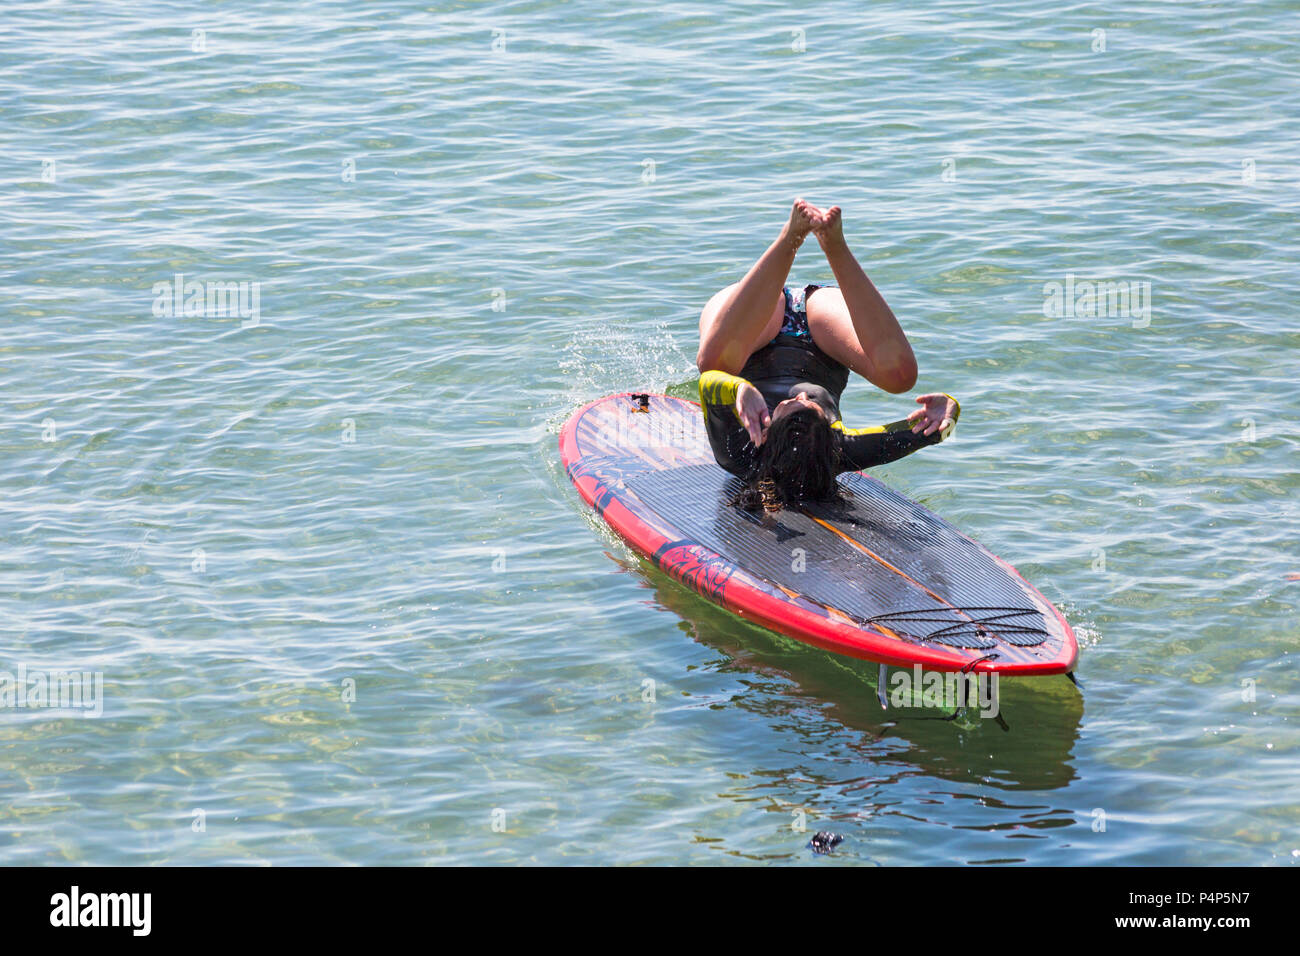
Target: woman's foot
{"points": [[804, 218], [830, 228]]}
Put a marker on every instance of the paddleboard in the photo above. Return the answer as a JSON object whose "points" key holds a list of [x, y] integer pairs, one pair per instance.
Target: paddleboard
{"points": [[877, 577]]}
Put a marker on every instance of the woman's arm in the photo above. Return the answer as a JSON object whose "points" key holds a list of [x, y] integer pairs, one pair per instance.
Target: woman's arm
{"points": [[720, 389], [932, 423], [731, 420]]}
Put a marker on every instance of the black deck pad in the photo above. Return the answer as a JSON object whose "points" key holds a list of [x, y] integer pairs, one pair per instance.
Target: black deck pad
{"points": [[793, 550]]}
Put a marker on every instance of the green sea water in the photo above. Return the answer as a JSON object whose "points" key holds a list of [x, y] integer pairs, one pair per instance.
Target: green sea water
{"points": [[344, 603]]}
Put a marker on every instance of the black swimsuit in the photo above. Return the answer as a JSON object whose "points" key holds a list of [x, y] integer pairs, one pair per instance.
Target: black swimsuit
{"points": [[792, 362]]}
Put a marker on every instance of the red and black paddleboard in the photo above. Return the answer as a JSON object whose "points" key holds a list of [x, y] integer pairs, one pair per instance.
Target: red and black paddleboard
{"points": [[877, 577]]}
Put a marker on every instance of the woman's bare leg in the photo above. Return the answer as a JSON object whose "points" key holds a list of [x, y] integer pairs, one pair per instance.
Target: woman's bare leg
{"points": [[735, 321], [857, 327]]}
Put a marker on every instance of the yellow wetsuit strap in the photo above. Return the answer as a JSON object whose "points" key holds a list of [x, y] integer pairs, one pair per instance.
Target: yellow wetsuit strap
{"points": [[729, 440], [718, 389], [947, 432], [904, 425]]}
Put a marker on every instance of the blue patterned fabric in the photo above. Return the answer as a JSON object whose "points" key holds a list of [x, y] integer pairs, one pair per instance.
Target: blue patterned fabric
{"points": [[796, 312]]}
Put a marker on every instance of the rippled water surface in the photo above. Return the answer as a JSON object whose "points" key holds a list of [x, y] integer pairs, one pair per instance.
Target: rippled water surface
{"points": [[347, 607]]}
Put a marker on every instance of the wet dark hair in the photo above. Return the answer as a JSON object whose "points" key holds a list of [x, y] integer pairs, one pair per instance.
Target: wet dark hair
{"points": [[797, 462]]}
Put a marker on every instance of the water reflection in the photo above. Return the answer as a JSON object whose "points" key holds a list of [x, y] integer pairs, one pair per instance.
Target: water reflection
{"points": [[863, 766]]}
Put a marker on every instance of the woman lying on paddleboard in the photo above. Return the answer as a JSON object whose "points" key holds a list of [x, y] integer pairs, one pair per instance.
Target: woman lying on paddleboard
{"points": [[774, 362]]}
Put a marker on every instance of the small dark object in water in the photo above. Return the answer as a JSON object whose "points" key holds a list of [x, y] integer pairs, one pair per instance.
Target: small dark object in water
{"points": [[824, 841]]}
